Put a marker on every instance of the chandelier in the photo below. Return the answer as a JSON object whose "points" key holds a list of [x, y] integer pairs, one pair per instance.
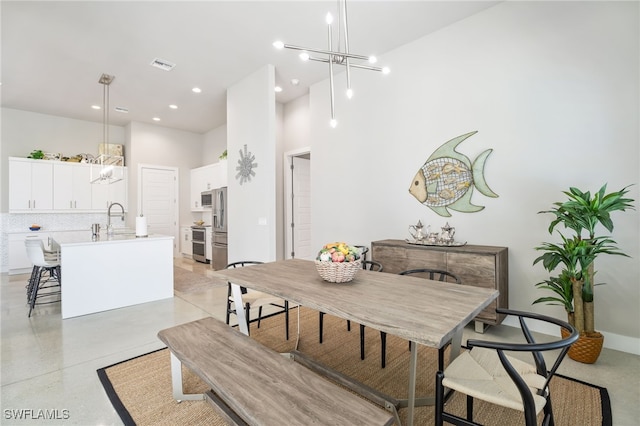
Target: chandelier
{"points": [[341, 56], [107, 168]]}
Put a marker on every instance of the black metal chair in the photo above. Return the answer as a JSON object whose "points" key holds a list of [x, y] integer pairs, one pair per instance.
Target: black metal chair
{"points": [[253, 299], [488, 373], [432, 274], [45, 281], [366, 265]]}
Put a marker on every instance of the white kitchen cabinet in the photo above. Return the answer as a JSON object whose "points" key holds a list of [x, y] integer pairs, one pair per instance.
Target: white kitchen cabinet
{"points": [[19, 262], [53, 186], [221, 174], [71, 186], [206, 178], [103, 195], [201, 180], [30, 185], [186, 247]]}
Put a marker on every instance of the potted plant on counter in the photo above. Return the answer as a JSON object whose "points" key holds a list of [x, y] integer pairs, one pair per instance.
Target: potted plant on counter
{"points": [[573, 287]]}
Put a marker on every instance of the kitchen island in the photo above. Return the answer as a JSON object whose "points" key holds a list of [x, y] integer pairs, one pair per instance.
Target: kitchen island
{"points": [[113, 271]]}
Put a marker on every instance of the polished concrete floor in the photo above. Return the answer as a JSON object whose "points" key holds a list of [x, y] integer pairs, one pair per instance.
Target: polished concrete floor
{"points": [[48, 365]]}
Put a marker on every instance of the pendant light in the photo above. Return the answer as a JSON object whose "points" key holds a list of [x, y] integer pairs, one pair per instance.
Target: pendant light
{"points": [[107, 168], [336, 57]]}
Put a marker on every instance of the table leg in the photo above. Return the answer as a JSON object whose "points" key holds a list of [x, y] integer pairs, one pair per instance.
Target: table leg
{"points": [[412, 382], [456, 344], [241, 315], [176, 381]]}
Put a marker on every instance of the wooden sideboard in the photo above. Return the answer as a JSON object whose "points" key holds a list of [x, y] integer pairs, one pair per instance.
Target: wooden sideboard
{"points": [[481, 266]]}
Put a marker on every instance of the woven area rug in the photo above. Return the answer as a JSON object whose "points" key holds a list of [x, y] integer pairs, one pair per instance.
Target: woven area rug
{"points": [[140, 388], [188, 282]]}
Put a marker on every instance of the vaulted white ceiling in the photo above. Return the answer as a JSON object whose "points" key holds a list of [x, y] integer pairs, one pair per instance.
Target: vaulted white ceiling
{"points": [[53, 53]]}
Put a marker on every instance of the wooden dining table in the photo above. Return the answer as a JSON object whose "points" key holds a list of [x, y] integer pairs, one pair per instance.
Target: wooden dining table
{"points": [[422, 311]]}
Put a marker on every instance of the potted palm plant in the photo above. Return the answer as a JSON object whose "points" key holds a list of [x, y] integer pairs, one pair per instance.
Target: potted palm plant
{"points": [[575, 255]]}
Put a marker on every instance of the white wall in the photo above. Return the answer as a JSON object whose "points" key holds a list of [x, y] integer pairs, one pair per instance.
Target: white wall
{"points": [[162, 146], [251, 121], [215, 142], [24, 132], [296, 124], [551, 87]]}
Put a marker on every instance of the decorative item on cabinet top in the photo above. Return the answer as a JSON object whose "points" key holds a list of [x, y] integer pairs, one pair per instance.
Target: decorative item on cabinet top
{"points": [[112, 149]]}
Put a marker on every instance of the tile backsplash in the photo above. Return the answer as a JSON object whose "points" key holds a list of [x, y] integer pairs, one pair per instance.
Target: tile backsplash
{"points": [[20, 222]]}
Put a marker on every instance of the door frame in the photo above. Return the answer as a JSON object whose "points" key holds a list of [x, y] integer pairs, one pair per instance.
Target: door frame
{"points": [[288, 190], [176, 197]]}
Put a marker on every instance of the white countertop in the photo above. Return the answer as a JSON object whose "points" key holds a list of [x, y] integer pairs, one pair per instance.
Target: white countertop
{"points": [[85, 238]]}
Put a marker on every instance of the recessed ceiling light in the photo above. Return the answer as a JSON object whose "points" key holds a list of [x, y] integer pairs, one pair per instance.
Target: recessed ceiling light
{"points": [[95, 106], [295, 81], [196, 90], [156, 118], [278, 89], [173, 106]]}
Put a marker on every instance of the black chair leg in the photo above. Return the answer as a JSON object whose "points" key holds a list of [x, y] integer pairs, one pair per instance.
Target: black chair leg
{"points": [[320, 323], [286, 318], [259, 315], [361, 341], [34, 291], [30, 284], [348, 325], [247, 309], [439, 399], [383, 348], [469, 408]]}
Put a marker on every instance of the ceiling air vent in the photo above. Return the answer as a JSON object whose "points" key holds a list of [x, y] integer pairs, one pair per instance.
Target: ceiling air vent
{"points": [[121, 109], [162, 64]]}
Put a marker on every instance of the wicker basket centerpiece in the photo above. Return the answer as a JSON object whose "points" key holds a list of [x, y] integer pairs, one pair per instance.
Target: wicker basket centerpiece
{"points": [[338, 262]]}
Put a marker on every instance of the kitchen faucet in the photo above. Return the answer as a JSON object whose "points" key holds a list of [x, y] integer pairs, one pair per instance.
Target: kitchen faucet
{"points": [[109, 228]]}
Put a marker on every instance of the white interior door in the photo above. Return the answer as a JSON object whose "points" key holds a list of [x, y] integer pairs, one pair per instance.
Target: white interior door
{"points": [[298, 209], [158, 195]]}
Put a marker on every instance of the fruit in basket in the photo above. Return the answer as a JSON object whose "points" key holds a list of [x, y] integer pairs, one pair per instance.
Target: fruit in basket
{"points": [[338, 252]]}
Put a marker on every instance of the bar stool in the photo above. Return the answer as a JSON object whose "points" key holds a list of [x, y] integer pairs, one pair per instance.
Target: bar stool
{"points": [[44, 276]]}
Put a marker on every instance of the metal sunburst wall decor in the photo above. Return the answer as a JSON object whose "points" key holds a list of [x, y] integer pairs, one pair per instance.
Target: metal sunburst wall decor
{"points": [[245, 166]]}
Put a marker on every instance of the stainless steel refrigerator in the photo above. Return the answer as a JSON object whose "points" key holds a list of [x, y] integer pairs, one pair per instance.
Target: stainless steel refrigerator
{"points": [[219, 228]]}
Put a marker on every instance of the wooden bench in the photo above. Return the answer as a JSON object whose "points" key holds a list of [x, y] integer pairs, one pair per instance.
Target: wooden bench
{"points": [[252, 384]]}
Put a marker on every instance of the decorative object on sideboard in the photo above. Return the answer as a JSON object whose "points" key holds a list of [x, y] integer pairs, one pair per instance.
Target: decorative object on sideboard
{"points": [[417, 233], [447, 178], [422, 236], [575, 255], [338, 56], [107, 168]]}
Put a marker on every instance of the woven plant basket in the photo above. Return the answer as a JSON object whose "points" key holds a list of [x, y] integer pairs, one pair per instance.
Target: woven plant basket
{"points": [[587, 348], [338, 272]]}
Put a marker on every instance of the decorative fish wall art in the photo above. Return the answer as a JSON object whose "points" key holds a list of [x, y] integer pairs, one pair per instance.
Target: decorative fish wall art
{"points": [[447, 179]]}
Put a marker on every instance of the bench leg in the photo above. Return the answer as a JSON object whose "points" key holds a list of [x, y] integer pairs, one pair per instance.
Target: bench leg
{"points": [[176, 381]]}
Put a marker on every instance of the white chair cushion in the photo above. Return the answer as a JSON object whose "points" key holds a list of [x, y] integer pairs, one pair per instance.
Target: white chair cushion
{"points": [[480, 374], [258, 298]]}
